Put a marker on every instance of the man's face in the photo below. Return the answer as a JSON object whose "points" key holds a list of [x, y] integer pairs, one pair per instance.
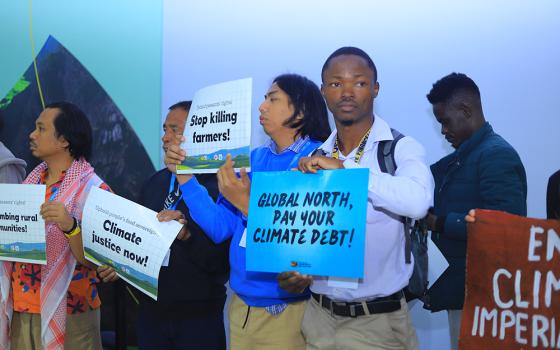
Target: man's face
{"points": [[275, 110], [174, 125], [43, 141], [349, 87], [454, 122]]}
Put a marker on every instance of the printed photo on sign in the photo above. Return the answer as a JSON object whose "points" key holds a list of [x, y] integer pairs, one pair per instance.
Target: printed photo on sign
{"points": [[219, 123], [308, 222], [128, 237], [22, 229], [512, 298]]}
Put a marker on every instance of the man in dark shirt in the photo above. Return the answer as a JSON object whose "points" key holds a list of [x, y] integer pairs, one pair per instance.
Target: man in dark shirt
{"points": [[191, 291], [483, 172]]}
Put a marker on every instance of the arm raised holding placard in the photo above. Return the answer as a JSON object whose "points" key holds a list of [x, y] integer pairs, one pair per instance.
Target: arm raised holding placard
{"points": [[213, 217]]}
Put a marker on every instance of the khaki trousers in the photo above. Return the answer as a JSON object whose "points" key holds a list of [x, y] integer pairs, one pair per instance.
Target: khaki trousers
{"points": [[253, 328], [82, 331], [390, 331]]}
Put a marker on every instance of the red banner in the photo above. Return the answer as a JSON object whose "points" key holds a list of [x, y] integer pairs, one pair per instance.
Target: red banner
{"points": [[512, 298]]}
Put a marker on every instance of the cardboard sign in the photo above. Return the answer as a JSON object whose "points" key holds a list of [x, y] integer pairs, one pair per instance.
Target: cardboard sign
{"points": [[512, 296], [22, 229], [311, 223], [128, 237], [219, 122]]}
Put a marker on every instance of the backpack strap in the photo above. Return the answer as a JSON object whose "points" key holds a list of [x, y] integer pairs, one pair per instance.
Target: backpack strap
{"points": [[387, 164], [386, 153]]}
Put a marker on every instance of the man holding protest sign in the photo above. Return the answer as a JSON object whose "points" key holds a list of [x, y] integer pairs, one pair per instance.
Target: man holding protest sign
{"points": [[191, 290], [484, 172], [370, 312], [56, 306], [261, 315]]}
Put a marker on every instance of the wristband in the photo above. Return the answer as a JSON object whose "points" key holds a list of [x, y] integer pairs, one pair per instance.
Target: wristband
{"points": [[74, 224], [73, 232]]}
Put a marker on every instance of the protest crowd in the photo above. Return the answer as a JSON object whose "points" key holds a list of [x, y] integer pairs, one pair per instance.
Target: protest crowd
{"points": [[57, 305]]}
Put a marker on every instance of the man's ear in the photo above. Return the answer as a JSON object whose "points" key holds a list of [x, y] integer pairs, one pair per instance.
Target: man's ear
{"points": [[466, 109], [375, 89], [63, 142]]}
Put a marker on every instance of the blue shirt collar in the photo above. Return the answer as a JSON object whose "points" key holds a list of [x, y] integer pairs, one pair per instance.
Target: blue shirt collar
{"points": [[295, 147]]}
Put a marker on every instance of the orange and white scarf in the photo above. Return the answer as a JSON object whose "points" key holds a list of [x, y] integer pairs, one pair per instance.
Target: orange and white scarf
{"points": [[57, 274]]}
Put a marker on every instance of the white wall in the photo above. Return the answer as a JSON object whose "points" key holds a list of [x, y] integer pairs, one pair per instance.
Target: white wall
{"points": [[510, 48]]}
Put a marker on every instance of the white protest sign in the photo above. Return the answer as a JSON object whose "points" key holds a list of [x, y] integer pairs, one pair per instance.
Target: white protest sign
{"points": [[219, 122], [22, 229], [128, 237]]}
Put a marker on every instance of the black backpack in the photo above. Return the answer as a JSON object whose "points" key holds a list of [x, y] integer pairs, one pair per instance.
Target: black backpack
{"points": [[416, 236]]}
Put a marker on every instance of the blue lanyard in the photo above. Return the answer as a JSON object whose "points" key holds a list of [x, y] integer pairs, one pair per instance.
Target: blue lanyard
{"points": [[171, 186], [53, 194]]}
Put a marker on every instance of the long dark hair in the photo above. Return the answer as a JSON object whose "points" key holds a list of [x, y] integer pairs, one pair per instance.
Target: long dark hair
{"points": [[306, 99]]}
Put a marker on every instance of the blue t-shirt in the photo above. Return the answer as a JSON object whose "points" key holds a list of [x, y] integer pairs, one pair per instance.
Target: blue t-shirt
{"points": [[221, 221]]}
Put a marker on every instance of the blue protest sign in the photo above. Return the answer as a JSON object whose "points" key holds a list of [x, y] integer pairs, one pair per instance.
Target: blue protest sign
{"points": [[311, 223]]}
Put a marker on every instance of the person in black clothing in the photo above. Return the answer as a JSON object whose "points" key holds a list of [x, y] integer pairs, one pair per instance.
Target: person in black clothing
{"points": [[553, 197], [191, 294]]}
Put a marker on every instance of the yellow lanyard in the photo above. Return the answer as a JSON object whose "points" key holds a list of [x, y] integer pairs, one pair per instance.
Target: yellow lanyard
{"points": [[359, 152]]}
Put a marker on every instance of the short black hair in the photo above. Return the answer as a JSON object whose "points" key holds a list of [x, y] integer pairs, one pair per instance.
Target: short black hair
{"points": [[450, 85], [72, 124], [186, 105], [350, 50], [306, 99]]}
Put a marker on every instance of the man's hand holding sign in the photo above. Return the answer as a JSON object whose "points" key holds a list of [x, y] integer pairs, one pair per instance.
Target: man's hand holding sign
{"points": [[129, 238], [235, 189], [314, 163], [293, 281], [513, 282], [108, 274]]}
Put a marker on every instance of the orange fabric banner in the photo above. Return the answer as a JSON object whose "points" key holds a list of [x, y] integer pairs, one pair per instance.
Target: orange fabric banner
{"points": [[512, 298]]}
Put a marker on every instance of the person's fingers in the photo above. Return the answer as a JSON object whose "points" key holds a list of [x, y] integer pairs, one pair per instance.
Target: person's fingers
{"points": [[183, 234], [111, 277], [224, 176], [229, 162], [169, 215], [175, 153], [293, 282], [220, 177], [227, 170], [103, 271], [471, 216], [285, 275], [310, 165], [244, 177], [301, 164]]}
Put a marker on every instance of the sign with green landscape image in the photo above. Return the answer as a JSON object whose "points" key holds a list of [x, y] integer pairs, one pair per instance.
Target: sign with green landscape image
{"points": [[22, 229], [127, 237], [218, 124]]}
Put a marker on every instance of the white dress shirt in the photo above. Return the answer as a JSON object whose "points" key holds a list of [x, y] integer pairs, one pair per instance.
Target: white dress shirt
{"points": [[408, 193]]}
